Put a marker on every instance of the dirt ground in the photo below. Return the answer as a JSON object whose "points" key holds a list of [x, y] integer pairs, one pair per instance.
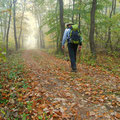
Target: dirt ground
{"points": [[89, 94]]}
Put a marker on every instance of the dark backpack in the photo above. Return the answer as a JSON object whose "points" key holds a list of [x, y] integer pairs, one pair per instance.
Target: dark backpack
{"points": [[75, 35]]}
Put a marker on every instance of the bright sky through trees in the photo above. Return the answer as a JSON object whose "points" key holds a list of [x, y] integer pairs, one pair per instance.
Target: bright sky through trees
{"points": [[32, 30]]}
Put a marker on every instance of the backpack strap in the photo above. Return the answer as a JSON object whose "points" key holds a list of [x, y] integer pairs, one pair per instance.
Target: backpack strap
{"points": [[71, 33]]}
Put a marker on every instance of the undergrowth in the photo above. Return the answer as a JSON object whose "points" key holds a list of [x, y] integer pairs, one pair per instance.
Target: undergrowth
{"points": [[109, 62]]}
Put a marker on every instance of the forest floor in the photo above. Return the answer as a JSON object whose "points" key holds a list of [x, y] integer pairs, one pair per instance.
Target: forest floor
{"points": [[52, 92]]}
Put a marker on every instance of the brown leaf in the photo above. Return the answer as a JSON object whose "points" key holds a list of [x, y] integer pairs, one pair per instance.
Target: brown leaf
{"points": [[58, 113], [65, 116], [55, 116], [117, 115], [40, 111], [88, 114], [20, 99], [42, 106]]}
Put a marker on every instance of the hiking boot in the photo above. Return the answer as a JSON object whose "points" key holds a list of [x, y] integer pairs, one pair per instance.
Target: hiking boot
{"points": [[74, 70]]}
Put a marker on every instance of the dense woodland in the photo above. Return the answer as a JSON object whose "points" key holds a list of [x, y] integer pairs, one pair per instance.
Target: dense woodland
{"points": [[98, 22], [99, 26]]}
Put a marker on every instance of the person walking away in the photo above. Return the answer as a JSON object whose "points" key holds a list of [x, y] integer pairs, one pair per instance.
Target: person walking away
{"points": [[74, 40]]}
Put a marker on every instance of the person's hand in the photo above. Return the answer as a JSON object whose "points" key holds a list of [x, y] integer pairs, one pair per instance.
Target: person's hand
{"points": [[63, 46], [79, 48]]}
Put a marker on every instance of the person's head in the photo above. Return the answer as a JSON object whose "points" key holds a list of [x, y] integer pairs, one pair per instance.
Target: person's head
{"points": [[68, 25]]}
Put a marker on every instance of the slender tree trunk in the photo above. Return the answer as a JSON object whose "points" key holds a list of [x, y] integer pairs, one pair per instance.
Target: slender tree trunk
{"points": [[62, 25], [115, 2], [73, 11], [69, 17], [5, 27], [105, 34], [22, 40], [40, 31], [76, 19], [42, 39], [1, 27], [14, 22], [80, 17], [117, 43], [109, 39], [92, 28], [8, 29], [57, 30], [109, 43], [79, 22], [21, 25], [38, 40]]}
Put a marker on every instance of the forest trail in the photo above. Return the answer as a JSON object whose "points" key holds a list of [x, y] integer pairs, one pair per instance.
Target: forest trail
{"points": [[89, 94]]}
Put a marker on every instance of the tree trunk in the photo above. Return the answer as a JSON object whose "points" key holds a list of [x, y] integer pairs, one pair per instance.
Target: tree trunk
{"points": [[14, 22], [8, 29], [57, 30], [1, 28], [43, 42], [80, 17], [62, 25], [22, 41], [21, 25], [40, 32], [79, 22], [73, 12], [69, 17], [38, 40], [115, 2], [92, 28], [5, 27], [109, 43], [116, 44]]}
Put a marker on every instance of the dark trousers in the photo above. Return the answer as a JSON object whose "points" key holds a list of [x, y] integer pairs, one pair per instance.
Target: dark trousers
{"points": [[72, 48]]}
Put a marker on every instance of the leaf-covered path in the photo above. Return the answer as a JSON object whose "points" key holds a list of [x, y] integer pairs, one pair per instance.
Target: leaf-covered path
{"points": [[89, 94]]}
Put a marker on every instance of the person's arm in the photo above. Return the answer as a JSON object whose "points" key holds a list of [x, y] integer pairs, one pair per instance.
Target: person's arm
{"points": [[80, 43], [65, 36]]}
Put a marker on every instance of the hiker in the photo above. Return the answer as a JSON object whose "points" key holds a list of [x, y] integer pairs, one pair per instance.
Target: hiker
{"points": [[74, 40]]}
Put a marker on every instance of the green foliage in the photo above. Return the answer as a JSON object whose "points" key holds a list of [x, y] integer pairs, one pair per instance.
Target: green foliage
{"points": [[45, 117], [25, 85], [5, 101], [29, 105], [108, 62], [24, 115], [39, 117], [103, 21], [2, 51], [12, 71]]}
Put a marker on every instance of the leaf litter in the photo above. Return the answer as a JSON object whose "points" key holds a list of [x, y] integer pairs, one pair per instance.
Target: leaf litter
{"points": [[49, 91]]}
